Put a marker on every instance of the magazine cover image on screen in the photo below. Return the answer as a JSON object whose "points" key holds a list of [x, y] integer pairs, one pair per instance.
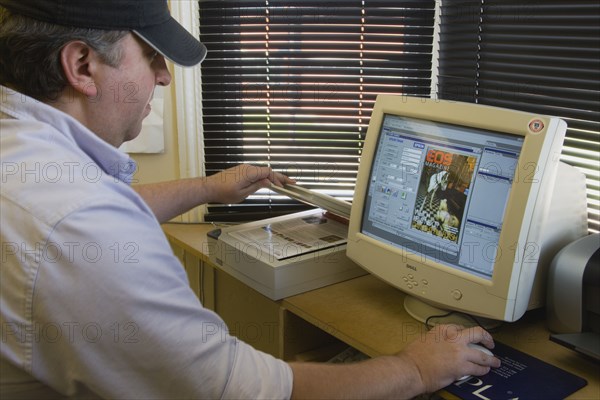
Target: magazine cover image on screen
{"points": [[442, 193]]}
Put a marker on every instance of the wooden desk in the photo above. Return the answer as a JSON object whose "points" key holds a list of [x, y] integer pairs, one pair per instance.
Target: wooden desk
{"points": [[364, 313]]}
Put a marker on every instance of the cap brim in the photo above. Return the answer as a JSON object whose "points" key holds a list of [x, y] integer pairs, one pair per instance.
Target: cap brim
{"points": [[174, 42]]}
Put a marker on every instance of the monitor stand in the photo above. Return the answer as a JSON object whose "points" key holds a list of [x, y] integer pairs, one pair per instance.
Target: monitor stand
{"points": [[431, 315]]}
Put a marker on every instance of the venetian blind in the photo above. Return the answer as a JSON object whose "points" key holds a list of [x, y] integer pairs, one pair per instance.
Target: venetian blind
{"points": [[541, 56], [291, 84]]}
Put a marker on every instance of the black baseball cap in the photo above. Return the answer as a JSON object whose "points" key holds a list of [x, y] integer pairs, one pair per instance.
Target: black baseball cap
{"points": [[148, 19]]}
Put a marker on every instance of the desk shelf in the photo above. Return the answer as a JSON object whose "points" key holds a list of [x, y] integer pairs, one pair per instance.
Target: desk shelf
{"points": [[363, 312]]}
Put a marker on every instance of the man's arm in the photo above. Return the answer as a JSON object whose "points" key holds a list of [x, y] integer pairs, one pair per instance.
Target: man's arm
{"points": [[170, 199], [428, 364]]}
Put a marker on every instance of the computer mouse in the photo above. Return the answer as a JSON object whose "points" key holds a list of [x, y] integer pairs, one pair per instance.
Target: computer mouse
{"points": [[480, 348]]}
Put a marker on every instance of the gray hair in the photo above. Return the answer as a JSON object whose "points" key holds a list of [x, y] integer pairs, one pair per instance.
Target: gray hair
{"points": [[30, 53]]}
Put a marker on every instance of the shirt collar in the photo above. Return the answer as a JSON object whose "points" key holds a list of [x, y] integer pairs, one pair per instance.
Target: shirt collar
{"points": [[110, 159]]}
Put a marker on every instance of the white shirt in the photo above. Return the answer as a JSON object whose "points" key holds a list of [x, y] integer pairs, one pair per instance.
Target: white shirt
{"points": [[93, 301]]}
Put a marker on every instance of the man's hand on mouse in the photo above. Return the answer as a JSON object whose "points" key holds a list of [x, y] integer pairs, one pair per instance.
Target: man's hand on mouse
{"points": [[443, 355]]}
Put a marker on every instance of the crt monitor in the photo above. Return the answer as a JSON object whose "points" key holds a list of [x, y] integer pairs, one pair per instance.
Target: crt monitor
{"points": [[449, 200]]}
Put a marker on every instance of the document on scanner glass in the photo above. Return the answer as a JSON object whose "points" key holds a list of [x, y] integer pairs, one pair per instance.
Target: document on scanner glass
{"points": [[295, 236]]}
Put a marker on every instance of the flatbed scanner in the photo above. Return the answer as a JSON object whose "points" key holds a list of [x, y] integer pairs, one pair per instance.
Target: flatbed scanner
{"points": [[291, 254]]}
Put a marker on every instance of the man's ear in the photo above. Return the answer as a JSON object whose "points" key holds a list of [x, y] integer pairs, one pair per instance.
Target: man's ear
{"points": [[78, 63]]}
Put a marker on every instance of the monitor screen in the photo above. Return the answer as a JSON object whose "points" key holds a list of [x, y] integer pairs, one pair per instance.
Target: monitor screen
{"points": [[450, 201], [441, 190]]}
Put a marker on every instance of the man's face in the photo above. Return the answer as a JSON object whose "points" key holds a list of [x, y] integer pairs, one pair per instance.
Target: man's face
{"points": [[125, 91]]}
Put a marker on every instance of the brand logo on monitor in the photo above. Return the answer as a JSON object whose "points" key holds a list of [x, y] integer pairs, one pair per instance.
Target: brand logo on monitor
{"points": [[411, 267], [536, 125]]}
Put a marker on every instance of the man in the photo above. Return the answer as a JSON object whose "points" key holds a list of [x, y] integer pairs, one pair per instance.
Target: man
{"points": [[94, 304]]}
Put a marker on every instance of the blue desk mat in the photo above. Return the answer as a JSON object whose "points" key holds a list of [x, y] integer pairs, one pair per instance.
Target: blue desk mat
{"points": [[520, 376]]}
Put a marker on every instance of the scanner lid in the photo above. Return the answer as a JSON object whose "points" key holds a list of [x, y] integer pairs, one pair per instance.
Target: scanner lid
{"points": [[335, 206]]}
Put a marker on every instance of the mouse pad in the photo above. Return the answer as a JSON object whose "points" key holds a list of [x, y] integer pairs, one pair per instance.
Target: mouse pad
{"points": [[520, 376]]}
